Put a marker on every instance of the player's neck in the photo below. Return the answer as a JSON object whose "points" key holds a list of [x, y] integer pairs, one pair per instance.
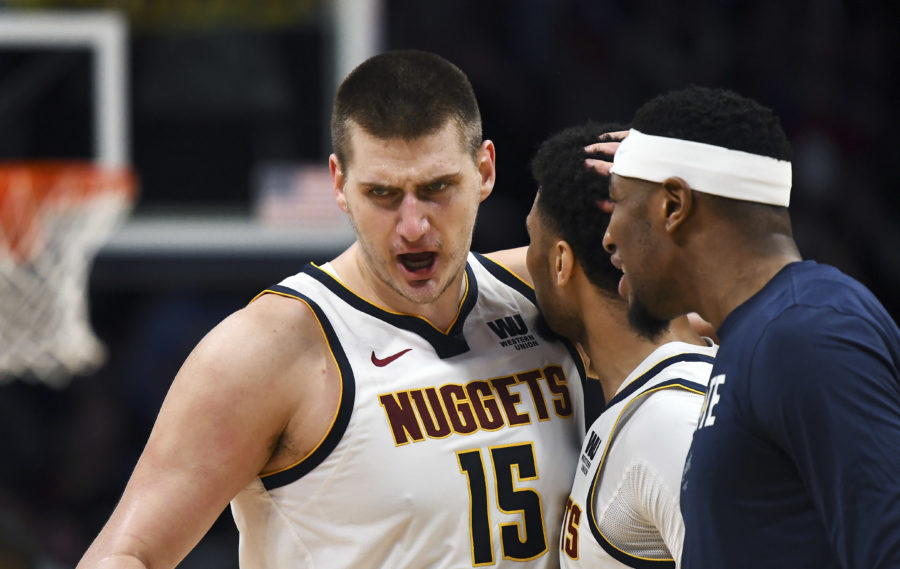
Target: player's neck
{"points": [[613, 348], [728, 282]]}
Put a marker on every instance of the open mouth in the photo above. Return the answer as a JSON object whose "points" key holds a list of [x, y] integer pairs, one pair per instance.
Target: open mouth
{"points": [[623, 282], [417, 262], [623, 287]]}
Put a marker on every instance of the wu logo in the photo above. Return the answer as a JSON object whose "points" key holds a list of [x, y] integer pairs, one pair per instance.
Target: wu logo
{"points": [[592, 445], [508, 326], [590, 451]]}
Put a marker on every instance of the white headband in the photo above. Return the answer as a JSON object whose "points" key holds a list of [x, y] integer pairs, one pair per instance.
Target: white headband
{"points": [[706, 168]]}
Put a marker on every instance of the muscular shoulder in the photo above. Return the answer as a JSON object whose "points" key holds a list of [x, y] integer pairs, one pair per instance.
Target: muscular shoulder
{"points": [[819, 347], [270, 334], [819, 366], [235, 398], [254, 349], [259, 369]]}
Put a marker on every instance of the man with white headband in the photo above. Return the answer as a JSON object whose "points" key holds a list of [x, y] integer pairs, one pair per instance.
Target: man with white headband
{"points": [[796, 458]]}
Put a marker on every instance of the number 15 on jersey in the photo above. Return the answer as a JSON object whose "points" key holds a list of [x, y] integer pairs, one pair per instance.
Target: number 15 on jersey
{"points": [[508, 466]]}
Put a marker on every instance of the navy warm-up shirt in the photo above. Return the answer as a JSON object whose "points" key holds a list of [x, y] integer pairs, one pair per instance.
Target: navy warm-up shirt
{"points": [[796, 460]]}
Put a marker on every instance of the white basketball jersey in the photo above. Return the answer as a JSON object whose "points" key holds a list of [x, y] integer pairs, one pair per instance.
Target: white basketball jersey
{"points": [[624, 508], [450, 448]]}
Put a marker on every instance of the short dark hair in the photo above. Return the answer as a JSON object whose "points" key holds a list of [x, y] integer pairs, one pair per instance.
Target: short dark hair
{"points": [[727, 119], [568, 198], [715, 116], [404, 94]]}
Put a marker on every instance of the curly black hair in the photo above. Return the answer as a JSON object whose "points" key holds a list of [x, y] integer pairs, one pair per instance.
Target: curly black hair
{"points": [[569, 194], [715, 116]]}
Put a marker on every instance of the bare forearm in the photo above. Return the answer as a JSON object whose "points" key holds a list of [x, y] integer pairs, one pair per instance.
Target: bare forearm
{"points": [[111, 551], [117, 561]]}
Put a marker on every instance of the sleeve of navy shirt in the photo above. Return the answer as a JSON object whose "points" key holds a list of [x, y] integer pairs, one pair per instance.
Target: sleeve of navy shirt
{"points": [[832, 404]]}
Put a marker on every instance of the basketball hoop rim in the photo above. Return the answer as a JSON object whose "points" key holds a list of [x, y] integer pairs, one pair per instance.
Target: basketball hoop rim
{"points": [[32, 190], [87, 177]]}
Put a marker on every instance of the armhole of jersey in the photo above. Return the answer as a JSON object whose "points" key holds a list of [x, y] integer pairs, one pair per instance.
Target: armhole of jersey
{"points": [[626, 413], [341, 417]]}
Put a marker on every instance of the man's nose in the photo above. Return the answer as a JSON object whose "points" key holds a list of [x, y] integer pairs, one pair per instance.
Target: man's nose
{"points": [[608, 243], [413, 223]]}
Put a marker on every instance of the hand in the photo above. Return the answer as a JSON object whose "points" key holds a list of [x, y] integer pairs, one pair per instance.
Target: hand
{"points": [[608, 145], [702, 327]]}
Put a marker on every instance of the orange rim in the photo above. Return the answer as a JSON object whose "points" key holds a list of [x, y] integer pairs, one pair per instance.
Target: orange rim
{"points": [[27, 189]]}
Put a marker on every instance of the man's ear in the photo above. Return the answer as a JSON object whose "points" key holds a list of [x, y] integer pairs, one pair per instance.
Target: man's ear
{"points": [[563, 263], [337, 182], [677, 202], [486, 159]]}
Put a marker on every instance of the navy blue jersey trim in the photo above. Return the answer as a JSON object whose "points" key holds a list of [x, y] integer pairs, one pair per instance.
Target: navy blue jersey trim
{"points": [[345, 409], [635, 562], [466, 307], [651, 373], [690, 385], [446, 345], [507, 277]]}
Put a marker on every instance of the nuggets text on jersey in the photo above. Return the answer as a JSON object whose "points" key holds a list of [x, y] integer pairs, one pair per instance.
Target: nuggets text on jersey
{"points": [[437, 412]]}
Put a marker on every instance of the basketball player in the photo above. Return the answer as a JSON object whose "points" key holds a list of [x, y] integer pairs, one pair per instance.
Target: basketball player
{"points": [[796, 460], [623, 510], [392, 408]]}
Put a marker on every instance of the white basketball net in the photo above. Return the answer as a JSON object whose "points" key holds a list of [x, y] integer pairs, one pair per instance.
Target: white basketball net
{"points": [[47, 245]]}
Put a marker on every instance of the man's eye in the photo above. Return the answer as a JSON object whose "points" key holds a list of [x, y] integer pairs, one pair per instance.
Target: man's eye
{"points": [[437, 186], [379, 192]]}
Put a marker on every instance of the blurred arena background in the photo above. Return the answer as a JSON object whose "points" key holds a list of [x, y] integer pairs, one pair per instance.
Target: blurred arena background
{"points": [[225, 124]]}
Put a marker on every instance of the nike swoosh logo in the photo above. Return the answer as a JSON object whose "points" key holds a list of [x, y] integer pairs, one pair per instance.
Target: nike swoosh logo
{"points": [[381, 362]]}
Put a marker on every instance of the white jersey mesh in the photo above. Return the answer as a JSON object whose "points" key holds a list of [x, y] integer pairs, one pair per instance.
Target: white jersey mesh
{"points": [[626, 527]]}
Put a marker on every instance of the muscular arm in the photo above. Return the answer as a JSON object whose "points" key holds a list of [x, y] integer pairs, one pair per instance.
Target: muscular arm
{"points": [[216, 430]]}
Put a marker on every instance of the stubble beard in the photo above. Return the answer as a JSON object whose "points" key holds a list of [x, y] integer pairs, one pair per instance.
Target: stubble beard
{"points": [[425, 294], [641, 318], [643, 321]]}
